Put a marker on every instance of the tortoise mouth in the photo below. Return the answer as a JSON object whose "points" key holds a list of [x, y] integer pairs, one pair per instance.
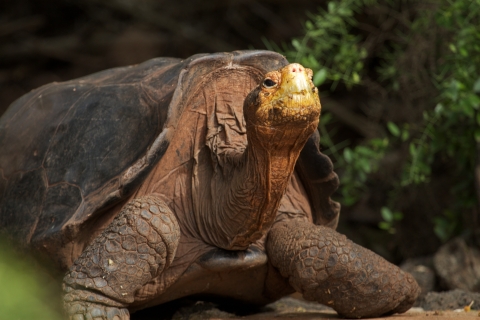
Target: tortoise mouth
{"points": [[295, 81], [281, 113]]}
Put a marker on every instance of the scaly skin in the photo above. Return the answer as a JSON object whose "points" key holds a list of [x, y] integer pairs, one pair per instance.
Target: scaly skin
{"points": [[328, 268], [135, 248], [281, 113]]}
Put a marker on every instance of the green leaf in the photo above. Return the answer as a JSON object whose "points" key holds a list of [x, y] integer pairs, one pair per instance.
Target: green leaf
{"points": [[365, 151], [331, 7], [393, 128], [474, 100], [384, 225], [355, 77], [397, 216], [364, 165], [476, 86], [296, 44], [439, 108], [348, 155], [320, 77], [477, 135], [413, 150], [387, 214]]}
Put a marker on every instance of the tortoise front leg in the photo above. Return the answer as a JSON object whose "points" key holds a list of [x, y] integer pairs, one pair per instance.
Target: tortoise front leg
{"points": [[328, 268], [136, 247]]}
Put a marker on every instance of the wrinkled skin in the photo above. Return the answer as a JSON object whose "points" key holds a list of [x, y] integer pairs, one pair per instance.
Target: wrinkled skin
{"points": [[125, 262], [228, 210]]}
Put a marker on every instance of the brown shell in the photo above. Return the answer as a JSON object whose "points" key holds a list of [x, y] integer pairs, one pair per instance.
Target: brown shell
{"points": [[70, 150]]}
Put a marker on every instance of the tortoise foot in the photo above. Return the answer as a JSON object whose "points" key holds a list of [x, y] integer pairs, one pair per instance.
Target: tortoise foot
{"points": [[136, 247], [80, 310], [328, 268]]}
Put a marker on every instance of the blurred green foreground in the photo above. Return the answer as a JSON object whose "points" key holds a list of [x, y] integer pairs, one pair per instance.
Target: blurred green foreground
{"points": [[24, 293]]}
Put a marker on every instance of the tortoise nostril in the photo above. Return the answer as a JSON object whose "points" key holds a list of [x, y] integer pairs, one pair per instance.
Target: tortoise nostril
{"points": [[296, 67]]}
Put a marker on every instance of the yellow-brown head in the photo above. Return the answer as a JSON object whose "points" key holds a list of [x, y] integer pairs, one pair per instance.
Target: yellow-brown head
{"points": [[284, 97]]}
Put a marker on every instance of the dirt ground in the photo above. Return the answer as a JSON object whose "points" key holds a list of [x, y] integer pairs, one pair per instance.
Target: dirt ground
{"points": [[291, 308], [444, 305], [413, 314]]}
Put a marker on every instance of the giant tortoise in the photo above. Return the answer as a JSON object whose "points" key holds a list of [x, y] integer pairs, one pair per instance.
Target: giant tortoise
{"points": [[172, 178]]}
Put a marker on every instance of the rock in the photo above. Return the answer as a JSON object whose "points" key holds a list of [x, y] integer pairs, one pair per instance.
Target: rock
{"points": [[458, 265], [295, 305], [422, 270], [201, 310], [449, 300]]}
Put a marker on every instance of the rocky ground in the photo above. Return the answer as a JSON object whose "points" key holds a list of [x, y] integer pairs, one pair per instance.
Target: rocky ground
{"points": [[446, 305]]}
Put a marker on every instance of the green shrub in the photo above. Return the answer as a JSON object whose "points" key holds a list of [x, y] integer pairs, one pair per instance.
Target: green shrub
{"points": [[447, 131]]}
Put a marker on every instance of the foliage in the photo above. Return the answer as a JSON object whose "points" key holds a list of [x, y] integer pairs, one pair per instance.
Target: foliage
{"points": [[22, 293], [358, 163], [446, 225], [449, 130], [389, 219], [332, 51], [328, 46], [452, 128]]}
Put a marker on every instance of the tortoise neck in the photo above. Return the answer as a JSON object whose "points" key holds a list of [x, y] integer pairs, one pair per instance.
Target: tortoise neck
{"points": [[252, 201]]}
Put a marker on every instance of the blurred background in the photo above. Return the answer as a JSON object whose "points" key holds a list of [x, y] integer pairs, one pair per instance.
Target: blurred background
{"points": [[399, 83]]}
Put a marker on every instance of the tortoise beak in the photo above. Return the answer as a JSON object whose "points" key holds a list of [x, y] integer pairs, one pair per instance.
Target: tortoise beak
{"points": [[297, 89]]}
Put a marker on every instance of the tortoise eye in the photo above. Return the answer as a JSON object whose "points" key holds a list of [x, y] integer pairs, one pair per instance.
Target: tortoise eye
{"points": [[269, 83]]}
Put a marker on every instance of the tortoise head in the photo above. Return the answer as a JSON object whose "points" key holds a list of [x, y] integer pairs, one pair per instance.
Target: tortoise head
{"points": [[285, 98]]}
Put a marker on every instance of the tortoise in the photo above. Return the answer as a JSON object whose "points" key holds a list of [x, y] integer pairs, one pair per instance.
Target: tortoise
{"points": [[172, 178]]}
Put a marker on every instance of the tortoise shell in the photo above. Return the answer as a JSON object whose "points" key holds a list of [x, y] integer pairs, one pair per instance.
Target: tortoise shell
{"points": [[71, 150]]}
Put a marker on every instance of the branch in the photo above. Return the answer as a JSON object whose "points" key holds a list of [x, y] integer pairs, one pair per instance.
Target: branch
{"points": [[359, 123], [477, 176], [25, 24]]}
